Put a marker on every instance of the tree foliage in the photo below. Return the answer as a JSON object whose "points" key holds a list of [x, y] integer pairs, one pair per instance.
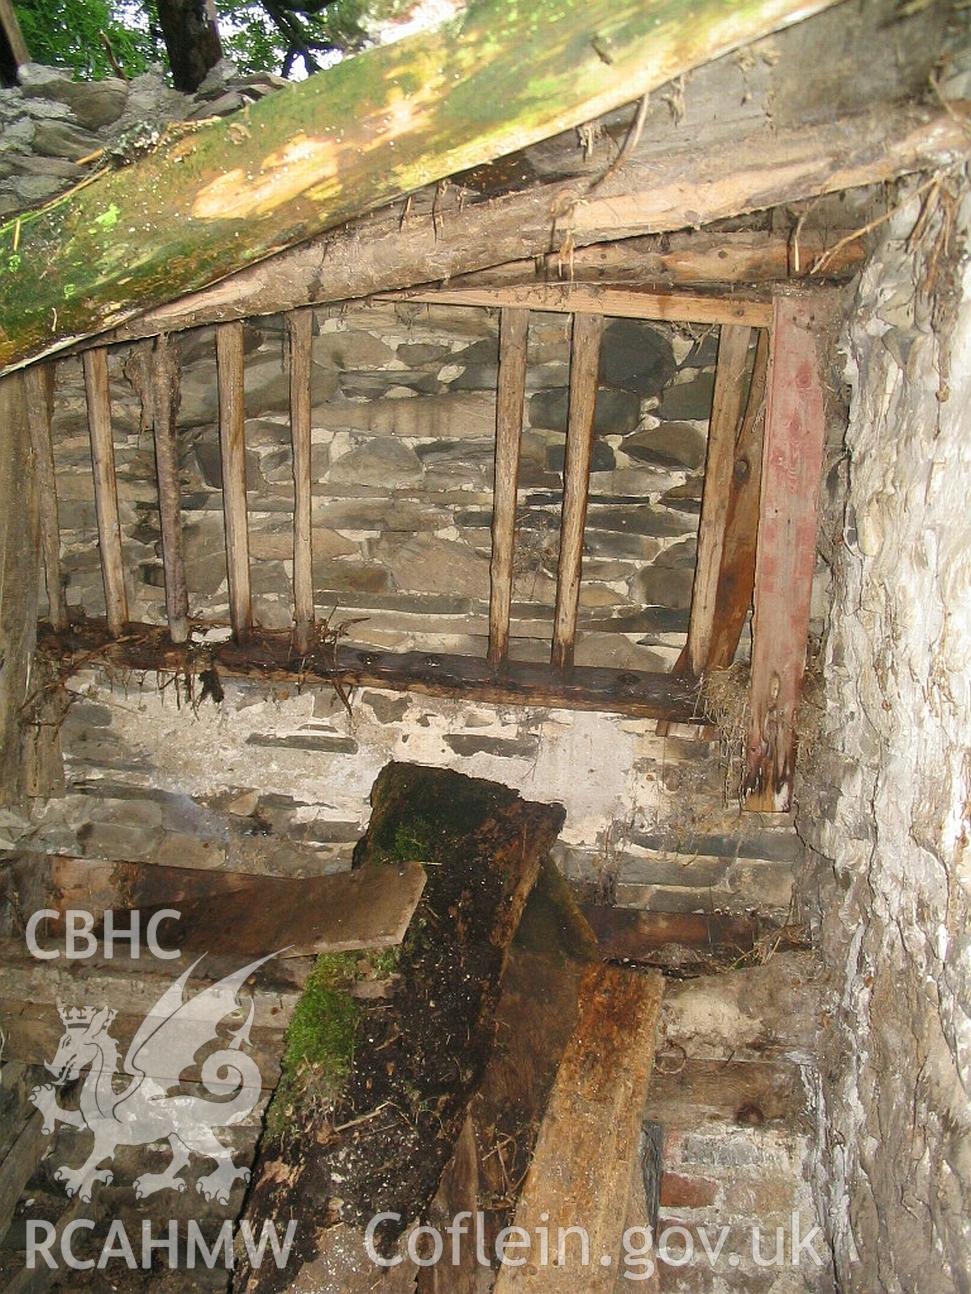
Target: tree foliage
{"points": [[288, 36]]}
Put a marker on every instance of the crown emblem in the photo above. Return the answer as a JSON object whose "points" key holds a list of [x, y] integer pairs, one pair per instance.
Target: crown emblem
{"points": [[76, 1017]]}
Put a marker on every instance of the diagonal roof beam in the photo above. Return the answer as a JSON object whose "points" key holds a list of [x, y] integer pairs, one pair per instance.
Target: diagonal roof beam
{"points": [[499, 77]]}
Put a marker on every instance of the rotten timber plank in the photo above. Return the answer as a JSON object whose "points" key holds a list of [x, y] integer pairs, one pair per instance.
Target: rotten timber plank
{"points": [[584, 375], [726, 411], [39, 388], [223, 913], [792, 458], [270, 656], [580, 1175], [105, 487], [513, 334]]}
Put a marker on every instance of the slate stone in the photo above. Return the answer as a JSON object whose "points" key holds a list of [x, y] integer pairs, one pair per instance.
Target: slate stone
{"points": [[664, 620], [427, 564], [637, 357], [298, 741], [372, 386], [467, 745], [94, 103], [698, 874], [60, 139], [602, 460], [343, 577], [704, 353], [672, 444], [615, 414], [615, 651], [384, 514], [381, 461], [636, 519], [351, 350], [412, 604], [690, 401], [683, 553], [768, 846], [484, 351], [210, 465], [455, 415], [664, 586], [386, 709], [685, 497], [422, 352]]}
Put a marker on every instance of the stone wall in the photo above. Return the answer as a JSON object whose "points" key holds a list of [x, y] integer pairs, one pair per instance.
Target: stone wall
{"points": [[403, 451], [886, 804]]}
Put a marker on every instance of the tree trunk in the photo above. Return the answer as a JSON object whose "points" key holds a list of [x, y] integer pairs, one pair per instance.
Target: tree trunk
{"points": [[342, 143], [192, 40]]}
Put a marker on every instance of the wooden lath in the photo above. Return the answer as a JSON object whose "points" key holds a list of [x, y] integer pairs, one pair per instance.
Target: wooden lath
{"points": [[300, 339], [39, 392], [232, 447], [165, 398], [513, 330], [105, 488]]}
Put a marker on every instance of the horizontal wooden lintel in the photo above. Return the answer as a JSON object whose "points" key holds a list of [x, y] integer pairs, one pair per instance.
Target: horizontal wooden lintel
{"points": [[271, 656], [588, 298]]}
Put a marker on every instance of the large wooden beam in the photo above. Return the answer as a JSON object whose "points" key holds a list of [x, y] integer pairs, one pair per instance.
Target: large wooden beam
{"points": [[513, 332], [232, 446], [584, 376], [300, 324], [728, 402], [19, 557], [271, 656], [165, 395], [689, 186], [98, 396], [341, 143], [795, 427]]}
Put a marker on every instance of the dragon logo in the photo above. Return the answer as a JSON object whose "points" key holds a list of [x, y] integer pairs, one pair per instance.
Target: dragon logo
{"points": [[165, 1044]]}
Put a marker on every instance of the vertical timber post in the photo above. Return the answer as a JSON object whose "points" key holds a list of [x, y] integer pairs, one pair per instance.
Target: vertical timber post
{"points": [[165, 395], [105, 487], [513, 332], [232, 444], [300, 336]]}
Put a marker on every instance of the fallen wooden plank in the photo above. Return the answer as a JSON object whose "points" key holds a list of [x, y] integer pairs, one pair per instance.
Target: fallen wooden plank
{"points": [[513, 334], [300, 325], [359, 134], [792, 458], [388, 1131], [98, 397], [580, 1175], [165, 389], [39, 387], [726, 410], [232, 447], [584, 376], [270, 656], [623, 303], [220, 912]]}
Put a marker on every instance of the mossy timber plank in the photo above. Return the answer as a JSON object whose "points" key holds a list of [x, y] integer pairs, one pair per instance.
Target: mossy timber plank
{"points": [[497, 78]]}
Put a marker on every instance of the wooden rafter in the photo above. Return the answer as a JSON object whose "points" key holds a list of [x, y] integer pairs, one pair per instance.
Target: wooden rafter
{"points": [[300, 339], [232, 444], [39, 389], [584, 376], [165, 393], [513, 330], [98, 396]]}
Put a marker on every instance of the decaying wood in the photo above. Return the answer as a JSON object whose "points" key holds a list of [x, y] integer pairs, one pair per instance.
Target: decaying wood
{"points": [[584, 376], [39, 388], [513, 331], [792, 457], [98, 395], [341, 143], [19, 559], [457, 1194], [736, 578], [622, 303], [580, 1175], [270, 655], [300, 325], [232, 446], [165, 390], [692, 185], [486, 847], [726, 410], [220, 912]]}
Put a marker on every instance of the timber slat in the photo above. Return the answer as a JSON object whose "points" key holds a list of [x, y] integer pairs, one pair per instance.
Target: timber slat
{"points": [[792, 459], [584, 375], [105, 487], [165, 388], [39, 391], [513, 333], [727, 404], [300, 337], [580, 1175], [270, 655], [232, 444]]}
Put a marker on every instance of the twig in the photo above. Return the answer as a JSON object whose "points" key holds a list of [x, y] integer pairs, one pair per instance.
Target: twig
{"points": [[631, 140], [823, 260]]}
